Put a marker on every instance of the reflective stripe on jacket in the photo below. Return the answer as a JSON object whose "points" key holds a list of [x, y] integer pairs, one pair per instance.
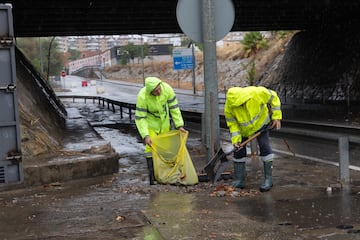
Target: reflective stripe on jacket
{"points": [[152, 115], [248, 109]]}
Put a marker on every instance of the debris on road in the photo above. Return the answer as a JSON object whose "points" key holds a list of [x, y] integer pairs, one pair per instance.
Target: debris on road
{"points": [[226, 190]]}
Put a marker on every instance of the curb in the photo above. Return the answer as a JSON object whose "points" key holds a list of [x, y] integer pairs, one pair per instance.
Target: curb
{"points": [[70, 169]]}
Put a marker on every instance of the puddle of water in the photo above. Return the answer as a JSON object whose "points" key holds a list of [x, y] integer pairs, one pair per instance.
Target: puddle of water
{"points": [[326, 211], [151, 233], [172, 211]]}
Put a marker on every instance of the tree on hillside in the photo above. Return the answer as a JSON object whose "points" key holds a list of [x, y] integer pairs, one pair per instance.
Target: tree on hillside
{"points": [[74, 54], [132, 51], [251, 72], [37, 51], [142, 51], [283, 33], [253, 42]]}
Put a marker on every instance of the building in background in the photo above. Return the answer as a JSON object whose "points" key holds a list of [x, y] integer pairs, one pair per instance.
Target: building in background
{"points": [[108, 50], [103, 43]]}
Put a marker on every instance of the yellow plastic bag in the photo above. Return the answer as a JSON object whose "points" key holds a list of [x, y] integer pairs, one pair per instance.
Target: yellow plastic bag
{"points": [[172, 162]]}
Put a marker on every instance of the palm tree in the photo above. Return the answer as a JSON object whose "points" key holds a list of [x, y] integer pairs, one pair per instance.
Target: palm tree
{"points": [[252, 42]]}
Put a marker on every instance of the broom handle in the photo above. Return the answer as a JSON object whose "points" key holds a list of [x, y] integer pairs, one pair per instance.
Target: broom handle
{"points": [[251, 138]]}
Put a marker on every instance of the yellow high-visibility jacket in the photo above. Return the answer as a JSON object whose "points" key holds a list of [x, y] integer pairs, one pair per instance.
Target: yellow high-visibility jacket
{"points": [[152, 115], [248, 109]]}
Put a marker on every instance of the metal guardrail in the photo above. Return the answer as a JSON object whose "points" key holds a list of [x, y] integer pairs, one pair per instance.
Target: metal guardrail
{"points": [[319, 134], [110, 104], [196, 117], [47, 90]]}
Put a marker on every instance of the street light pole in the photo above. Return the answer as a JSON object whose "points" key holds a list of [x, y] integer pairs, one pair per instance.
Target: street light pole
{"points": [[193, 67], [210, 78]]}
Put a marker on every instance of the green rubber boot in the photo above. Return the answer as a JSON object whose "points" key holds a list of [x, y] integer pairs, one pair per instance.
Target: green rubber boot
{"points": [[239, 175], [266, 186]]}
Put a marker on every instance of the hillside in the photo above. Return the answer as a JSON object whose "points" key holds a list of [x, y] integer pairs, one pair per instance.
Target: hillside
{"points": [[233, 67]]}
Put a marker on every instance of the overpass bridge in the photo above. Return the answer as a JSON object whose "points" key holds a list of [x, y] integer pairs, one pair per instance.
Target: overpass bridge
{"points": [[40, 18]]}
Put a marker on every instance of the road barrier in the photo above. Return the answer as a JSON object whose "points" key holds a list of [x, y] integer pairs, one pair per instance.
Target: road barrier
{"points": [[110, 104]]}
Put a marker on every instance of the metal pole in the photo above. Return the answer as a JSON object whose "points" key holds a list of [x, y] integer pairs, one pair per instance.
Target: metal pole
{"points": [[49, 53], [210, 78], [41, 57], [142, 59], [193, 68], [344, 160]]}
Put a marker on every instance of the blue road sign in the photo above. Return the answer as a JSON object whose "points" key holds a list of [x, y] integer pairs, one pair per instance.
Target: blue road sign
{"points": [[183, 59]]}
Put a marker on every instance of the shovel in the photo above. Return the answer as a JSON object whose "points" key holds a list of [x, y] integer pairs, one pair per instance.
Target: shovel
{"points": [[217, 164]]}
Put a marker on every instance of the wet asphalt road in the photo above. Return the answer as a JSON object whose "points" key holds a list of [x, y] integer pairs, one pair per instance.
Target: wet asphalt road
{"points": [[125, 206]]}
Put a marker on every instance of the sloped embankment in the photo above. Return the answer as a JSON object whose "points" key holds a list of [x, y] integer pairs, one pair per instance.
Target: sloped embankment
{"points": [[41, 126]]}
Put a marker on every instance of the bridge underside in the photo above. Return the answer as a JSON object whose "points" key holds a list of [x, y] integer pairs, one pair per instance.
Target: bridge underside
{"points": [[98, 17]]}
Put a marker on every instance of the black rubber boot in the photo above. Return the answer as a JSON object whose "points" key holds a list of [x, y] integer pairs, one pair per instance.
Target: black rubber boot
{"points": [[266, 186], [151, 171], [239, 175]]}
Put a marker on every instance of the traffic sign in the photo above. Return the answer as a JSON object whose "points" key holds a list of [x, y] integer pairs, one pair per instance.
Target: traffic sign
{"points": [[183, 58], [63, 73], [189, 16]]}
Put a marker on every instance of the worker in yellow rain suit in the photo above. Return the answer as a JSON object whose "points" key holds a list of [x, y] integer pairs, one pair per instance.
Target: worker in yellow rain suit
{"points": [[249, 110], [156, 106]]}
